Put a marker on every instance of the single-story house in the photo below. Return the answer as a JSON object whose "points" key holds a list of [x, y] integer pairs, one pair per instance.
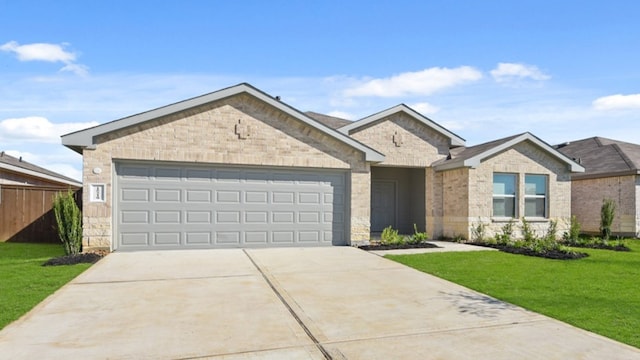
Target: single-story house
{"points": [[240, 168], [26, 199], [612, 171]]}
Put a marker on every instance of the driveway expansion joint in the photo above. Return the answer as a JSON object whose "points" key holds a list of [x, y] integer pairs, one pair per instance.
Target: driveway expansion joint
{"points": [[317, 343]]}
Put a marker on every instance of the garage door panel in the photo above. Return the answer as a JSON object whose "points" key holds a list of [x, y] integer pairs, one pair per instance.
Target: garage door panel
{"points": [[167, 195], [135, 195], [198, 196], [198, 217], [167, 217], [167, 238], [256, 197], [227, 196], [173, 206], [227, 217], [256, 237], [134, 239], [134, 217], [227, 237], [198, 238]]}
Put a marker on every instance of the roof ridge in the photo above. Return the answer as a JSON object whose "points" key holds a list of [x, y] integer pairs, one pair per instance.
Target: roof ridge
{"points": [[28, 166], [624, 157]]}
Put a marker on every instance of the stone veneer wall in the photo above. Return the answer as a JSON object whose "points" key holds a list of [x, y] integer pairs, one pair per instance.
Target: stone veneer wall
{"points": [[207, 134], [588, 194], [524, 158]]}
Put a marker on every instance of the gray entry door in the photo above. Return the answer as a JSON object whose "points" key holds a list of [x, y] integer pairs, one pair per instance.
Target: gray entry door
{"points": [[383, 205], [170, 206]]}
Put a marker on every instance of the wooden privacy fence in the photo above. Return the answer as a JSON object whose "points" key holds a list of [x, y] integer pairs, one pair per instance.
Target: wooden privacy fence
{"points": [[26, 213]]}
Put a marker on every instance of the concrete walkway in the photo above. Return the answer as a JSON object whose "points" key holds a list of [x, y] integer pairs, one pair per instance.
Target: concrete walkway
{"points": [[294, 303]]}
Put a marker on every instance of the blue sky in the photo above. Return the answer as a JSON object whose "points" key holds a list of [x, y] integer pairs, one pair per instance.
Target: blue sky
{"points": [[483, 69]]}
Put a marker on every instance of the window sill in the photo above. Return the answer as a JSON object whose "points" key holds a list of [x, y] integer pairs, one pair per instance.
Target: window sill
{"points": [[502, 219], [536, 219], [528, 219]]}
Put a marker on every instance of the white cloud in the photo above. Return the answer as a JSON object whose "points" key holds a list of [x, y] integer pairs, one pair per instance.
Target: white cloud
{"points": [[425, 108], [424, 82], [37, 129], [617, 102], [77, 69], [507, 72], [46, 52]]}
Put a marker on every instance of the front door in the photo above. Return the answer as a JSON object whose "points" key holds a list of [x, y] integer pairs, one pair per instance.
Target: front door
{"points": [[383, 205]]}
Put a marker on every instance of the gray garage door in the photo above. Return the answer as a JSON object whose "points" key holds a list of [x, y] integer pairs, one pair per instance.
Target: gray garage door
{"points": [[167, 206]]}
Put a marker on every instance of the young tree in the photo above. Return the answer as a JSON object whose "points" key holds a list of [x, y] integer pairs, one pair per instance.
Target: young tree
{"points": [[69, 222], [607, 213]]}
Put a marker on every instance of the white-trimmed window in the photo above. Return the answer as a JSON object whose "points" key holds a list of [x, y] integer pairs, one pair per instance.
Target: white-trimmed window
{"points": [[535, 195], [97, 192], [504, 195]]}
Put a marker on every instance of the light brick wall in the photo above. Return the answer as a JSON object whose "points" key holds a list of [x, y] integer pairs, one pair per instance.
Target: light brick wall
{"points": [[416, 144], [455, 202], [360, 206], [588, 194], [468, 194], [524, 158], [433, 202], [207, 134]]}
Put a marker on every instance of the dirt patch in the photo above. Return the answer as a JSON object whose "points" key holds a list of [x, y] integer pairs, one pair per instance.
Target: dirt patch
{"points": [[88, 258]]}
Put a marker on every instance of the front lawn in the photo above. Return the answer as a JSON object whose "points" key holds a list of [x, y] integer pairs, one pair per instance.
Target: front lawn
{"points": [[599, 293], [24, 282]]}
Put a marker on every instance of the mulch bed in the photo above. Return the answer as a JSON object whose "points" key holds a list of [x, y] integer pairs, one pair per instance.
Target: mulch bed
{"points": [[553, 254], [397, 247], [88, 258]]}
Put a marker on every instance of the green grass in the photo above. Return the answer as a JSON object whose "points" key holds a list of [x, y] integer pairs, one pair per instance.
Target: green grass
{"points": [[24, 282], [600, 293]]}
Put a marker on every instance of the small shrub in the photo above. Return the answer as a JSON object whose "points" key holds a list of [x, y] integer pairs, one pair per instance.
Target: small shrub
{"points": [[504, 238], [390, 236], [68, 221], [573, 236], [417, 237], [527, 232], [607, 213], [552, 231], [478, 232]]}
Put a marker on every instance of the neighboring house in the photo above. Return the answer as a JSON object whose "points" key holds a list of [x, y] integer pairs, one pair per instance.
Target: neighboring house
{"points": [[239, 168], [26, 198], [612, 172]]}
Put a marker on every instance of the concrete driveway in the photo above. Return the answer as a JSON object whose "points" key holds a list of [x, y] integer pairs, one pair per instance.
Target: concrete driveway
{"points": [[294, 303]]}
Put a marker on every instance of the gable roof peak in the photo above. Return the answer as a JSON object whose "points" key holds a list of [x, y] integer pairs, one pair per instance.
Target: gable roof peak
{"points": [[87, 138], [454, 140], [474, 155]]}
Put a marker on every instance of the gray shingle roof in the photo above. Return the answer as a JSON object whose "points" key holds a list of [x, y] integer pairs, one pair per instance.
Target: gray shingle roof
{"points": [[18, 165], [330, 121], [603, 157]]}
